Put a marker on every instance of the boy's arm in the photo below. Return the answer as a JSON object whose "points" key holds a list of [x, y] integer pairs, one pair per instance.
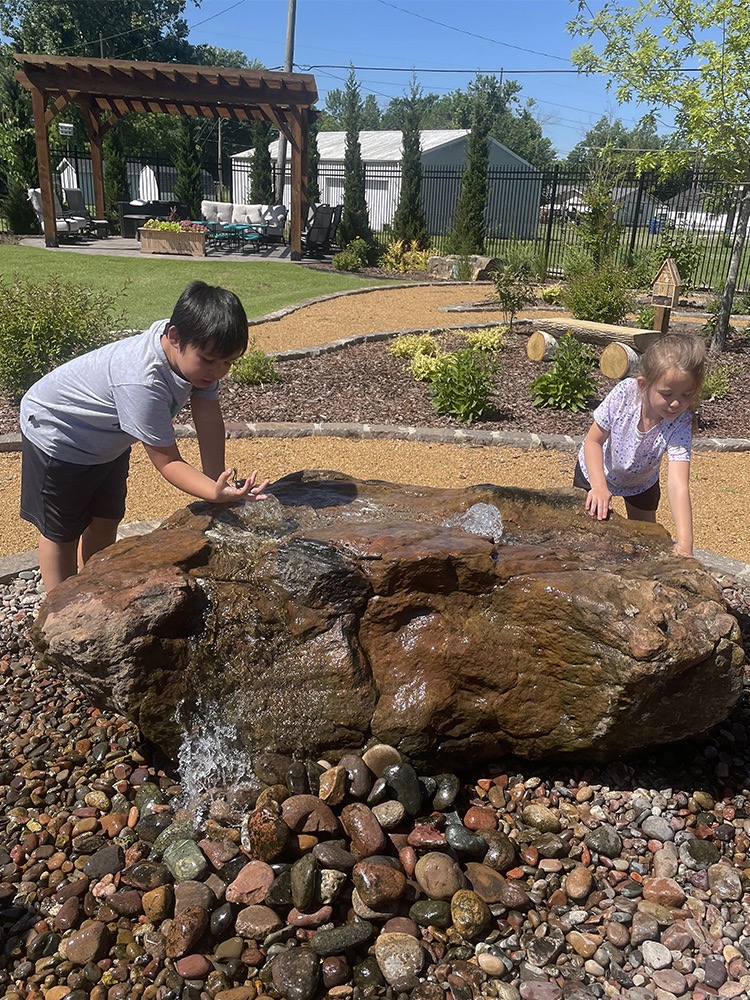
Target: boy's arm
{"points": [[678, 488], [209, 427], [598, 498], [179, 473]]}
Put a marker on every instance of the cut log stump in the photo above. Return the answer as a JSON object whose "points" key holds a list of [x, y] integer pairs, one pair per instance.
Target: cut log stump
{"points": [[619, 361], [541, 346]]}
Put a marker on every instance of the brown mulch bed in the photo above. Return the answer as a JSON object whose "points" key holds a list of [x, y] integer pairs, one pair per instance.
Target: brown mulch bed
{"points": [[367, 384]]}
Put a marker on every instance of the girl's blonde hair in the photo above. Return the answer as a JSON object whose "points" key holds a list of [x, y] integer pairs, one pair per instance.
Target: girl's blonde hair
{"points": [[684, 351]]}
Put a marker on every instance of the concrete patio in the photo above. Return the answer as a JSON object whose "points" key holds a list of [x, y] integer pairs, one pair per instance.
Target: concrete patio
{"points": [[117, 246]]}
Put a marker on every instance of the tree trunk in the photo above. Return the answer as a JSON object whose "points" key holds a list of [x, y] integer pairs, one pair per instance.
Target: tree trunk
{"points": [[719, 338]]}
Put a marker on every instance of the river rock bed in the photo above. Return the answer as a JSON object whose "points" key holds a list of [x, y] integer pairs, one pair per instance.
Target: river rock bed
{"points": [[360, 878]]}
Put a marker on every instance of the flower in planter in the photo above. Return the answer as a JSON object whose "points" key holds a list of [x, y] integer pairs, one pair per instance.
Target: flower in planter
{"points": [[164, 226]]}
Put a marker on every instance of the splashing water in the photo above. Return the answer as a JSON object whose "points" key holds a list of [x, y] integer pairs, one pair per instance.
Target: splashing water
{"points": [[211, 757], [480, 519]]}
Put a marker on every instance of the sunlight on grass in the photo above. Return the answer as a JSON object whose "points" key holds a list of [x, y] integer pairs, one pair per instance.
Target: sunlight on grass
{"points": [[147, 289]]}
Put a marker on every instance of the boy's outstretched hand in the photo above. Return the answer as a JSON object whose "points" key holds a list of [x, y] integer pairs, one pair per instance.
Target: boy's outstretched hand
{"points": [[231, 488]]}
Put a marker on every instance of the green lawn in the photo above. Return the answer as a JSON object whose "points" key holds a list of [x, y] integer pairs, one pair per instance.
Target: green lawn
{"points": [[147, 290]]}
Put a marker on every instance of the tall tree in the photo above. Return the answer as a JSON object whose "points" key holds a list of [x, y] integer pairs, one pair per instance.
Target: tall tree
{"points": [[188, 189], [355, 219], [141, 29], [690, 57], [335, 112], [18, 171], [409, 222], [313, 162], [467, 234], [116, 187], [261, 173]]}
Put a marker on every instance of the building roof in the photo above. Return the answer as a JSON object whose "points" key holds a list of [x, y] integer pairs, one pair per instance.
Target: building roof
{"points": [[379, 147]]}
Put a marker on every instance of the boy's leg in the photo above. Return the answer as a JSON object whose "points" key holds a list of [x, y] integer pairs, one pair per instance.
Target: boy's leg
{"points": [[57, 561], [98, 535]]}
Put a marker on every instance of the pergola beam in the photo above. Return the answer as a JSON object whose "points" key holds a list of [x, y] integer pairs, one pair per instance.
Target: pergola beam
{"points": [[121, 87]]}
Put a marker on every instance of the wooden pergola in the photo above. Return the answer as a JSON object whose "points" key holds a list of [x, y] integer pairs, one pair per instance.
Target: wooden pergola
{"points": [[107, 89]]}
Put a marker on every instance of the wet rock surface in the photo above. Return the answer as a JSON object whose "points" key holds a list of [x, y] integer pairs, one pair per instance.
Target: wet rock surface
{"points": [[453, 625], [626, 880]]}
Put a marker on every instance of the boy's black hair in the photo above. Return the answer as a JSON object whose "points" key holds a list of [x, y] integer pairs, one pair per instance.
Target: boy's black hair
{"points": [[210, 317]]}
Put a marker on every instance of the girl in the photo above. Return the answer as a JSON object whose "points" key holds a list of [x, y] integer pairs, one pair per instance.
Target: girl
{"points": [[636, 423]]}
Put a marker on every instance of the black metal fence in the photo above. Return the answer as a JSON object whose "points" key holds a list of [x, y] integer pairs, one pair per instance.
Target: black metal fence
{"points": [[540, 208]]}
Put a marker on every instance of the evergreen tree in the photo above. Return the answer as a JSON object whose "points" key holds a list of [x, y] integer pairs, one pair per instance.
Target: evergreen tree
{"points": [[116, 187], [355, 220], [313, 161], [188, 189], [409, 222], [261, 175], [467, 235]]}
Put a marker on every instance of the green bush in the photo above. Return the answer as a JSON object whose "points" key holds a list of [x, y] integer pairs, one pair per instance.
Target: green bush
{"points": [[402, 256], [552, 294], [462, 384], [44, 325], [255, 367], [718, 382], [646, 317], [568, 385], [356, 255], [423, 366], [600, 294], [408, 345], [493, 339], [514, 280]]}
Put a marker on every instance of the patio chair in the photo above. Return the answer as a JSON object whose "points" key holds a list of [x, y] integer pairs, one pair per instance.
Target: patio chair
{"points": [[66, 223], [75, 205], [316, 238]]}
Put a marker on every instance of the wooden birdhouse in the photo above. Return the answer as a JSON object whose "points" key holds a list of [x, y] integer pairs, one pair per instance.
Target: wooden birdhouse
{"points": [[667, 285]]}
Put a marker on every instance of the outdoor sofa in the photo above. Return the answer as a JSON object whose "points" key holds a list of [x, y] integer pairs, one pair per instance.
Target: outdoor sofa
{"points": [[271, 217]]}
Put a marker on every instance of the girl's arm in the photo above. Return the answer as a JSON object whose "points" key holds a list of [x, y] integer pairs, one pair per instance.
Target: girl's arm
{"points": [[678, 488], [598, 498], [209, 428]]}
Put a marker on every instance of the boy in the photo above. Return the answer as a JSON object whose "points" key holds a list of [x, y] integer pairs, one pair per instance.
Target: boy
{"points": [[79, 421]]}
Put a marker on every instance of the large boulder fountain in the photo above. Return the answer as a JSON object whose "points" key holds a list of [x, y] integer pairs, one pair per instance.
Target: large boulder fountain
{"points": [[456, 624]]}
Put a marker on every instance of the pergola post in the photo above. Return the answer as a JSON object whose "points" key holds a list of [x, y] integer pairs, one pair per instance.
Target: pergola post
{"points": [[44, 166], [298, 207]]}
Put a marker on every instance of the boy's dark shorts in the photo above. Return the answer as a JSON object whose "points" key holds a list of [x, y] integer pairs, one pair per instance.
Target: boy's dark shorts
{"points": [[648, 500], [61, 498]]}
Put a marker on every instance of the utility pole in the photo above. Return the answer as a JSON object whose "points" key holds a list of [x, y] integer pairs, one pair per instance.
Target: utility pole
{"points": [[291, 16]]}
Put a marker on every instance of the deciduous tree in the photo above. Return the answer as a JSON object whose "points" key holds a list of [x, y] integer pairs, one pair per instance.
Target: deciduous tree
{"points": [[688, 57]]}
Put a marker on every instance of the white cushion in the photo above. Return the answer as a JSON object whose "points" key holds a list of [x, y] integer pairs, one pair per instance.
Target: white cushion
{"points": [[250, 214], [217, 211]]}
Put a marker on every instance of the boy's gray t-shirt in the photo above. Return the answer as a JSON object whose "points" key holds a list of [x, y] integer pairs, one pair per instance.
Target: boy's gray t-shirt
{"points": [[91, 409]]}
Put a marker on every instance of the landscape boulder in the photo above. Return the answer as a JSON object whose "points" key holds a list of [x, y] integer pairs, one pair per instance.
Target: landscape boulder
{"points": [[449, 268], [456, 624]]}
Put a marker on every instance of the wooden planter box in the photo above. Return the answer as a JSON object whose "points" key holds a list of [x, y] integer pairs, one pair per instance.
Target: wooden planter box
{"points": [[163, 241]]}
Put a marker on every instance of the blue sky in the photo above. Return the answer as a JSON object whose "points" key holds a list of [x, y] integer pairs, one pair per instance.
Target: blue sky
{"points": [[518, 38]]}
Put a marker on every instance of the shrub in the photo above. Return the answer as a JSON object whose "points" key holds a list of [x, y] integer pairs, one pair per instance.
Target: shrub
{"points": [[599, 294], [402, 256], [407, 345], [493, 339], [175, 226], [462, 383], [514, 280], [356, 255], [718, 382], [255, 367], [552, 294], [44, 325], [646, 318], [423, 366], [568, 385], [464, 269]]}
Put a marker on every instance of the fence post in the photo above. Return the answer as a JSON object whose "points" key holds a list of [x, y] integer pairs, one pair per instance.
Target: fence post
{"points": [[553, 195], [637, 213]]}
